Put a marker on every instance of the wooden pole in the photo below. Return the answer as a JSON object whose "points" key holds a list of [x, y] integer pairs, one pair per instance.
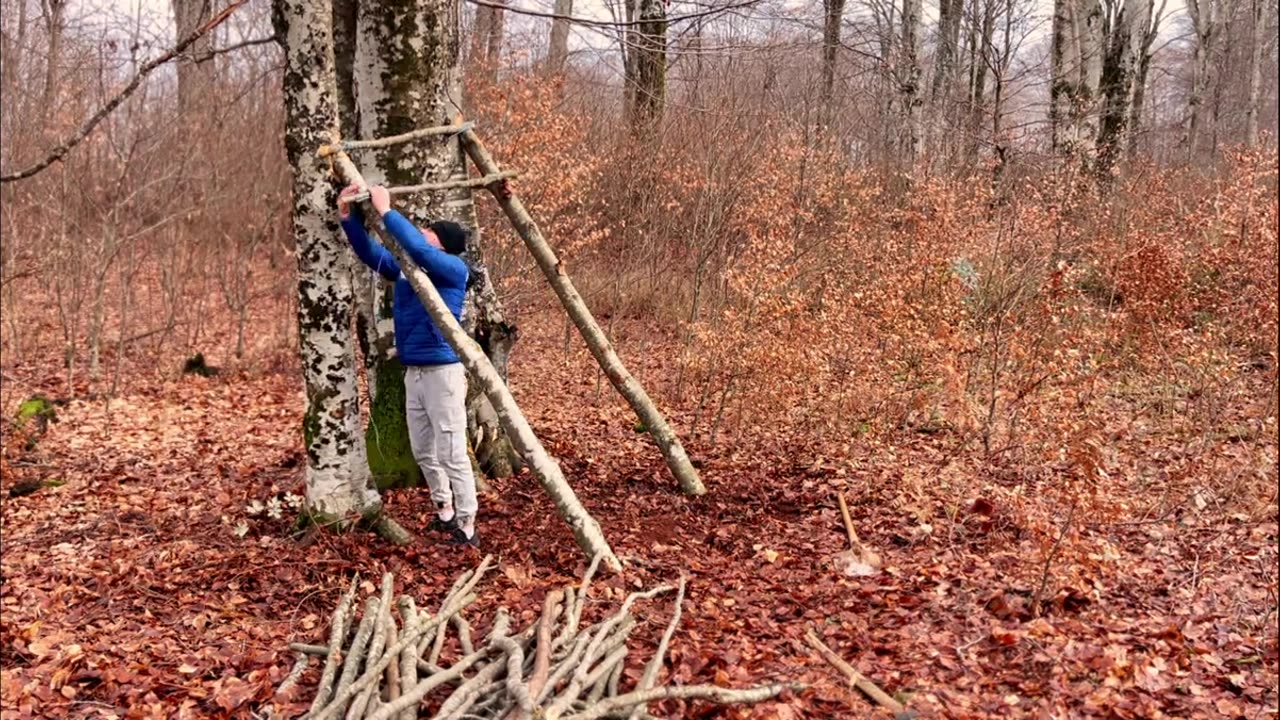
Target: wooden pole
{"points": [[348, 145], [597, 341], [584, 527], [855, 678], [480, 182]]}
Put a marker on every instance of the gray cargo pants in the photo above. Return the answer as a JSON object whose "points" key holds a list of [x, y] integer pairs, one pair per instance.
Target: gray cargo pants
{"points": [[436, 405]]}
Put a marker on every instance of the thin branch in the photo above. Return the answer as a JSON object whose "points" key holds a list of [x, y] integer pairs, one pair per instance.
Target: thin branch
{"points": [[655, 664], [61, 150], [711, 693], [855, 678], [234, 47]]}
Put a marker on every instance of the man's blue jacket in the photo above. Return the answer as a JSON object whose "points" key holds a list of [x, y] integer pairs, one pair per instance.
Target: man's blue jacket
{"points": [[418, 340]]}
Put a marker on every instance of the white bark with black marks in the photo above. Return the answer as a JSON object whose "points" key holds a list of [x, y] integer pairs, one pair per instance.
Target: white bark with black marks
{"points": [[1076, 72], [337, 477], [1127, 31]]}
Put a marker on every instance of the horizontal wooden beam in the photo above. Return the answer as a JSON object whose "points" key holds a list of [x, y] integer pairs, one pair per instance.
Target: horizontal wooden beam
{"points": [[479, 182], [349, 145]]}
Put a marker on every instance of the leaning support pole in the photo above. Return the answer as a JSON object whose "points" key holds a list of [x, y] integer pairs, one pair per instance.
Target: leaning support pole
{"points": [[584, 527], [597, 341]]}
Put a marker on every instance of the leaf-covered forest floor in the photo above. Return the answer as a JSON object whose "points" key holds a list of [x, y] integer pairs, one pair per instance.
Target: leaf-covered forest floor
{"points": [[128, 592]]}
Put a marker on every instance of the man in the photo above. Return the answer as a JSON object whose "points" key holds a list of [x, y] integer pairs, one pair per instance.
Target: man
{"points": [[435, 382]]}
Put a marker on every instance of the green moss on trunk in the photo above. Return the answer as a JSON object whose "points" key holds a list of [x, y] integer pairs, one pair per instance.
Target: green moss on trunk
{"points": [[387, 437]]}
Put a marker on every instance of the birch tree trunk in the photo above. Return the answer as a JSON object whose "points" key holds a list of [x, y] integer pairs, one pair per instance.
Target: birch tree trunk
{"points": [[367, 286], [193, 78], [558, 46], [1124, 43], [1076, 67], [401, 85], [338, 483]]}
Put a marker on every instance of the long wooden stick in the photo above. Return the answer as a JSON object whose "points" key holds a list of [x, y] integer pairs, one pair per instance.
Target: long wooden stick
{"points": [[542, 660], [654, 666], [349, 145], [626, 385], [710, 693], [374, 670], [854, 543], [480, 182], [585, 528], [337, 635], [855, 678]]}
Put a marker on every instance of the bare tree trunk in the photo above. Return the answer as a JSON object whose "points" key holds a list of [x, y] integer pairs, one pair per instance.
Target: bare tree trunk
{"points": [[983, 41], [366, 285], [398, 88], [494, 41], [1138, 108], [193, 78], [337, 479], [1076, 60], [649, 67], [558, 48], [942, 92], [486, 40], [15, 50], [1206, 18], [1124, 43], [909, 82], [1260, 23], [832, 17], [950, 12], [53, 11], [1002, 65]]}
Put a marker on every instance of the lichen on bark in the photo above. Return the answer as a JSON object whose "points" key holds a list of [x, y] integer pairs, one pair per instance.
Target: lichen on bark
{"points": [[406, 75], [337, 477]]}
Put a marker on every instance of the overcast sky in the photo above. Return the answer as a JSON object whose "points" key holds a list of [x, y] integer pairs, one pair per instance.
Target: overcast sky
{"points": [[595, 47], [159, 14]]}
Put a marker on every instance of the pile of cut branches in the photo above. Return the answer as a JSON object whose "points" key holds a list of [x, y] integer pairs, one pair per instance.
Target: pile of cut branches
{"points": [[553, 669]]}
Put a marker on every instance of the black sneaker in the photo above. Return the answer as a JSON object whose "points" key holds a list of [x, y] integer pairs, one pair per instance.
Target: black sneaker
{"points": [[459, 538], [444, 526]]}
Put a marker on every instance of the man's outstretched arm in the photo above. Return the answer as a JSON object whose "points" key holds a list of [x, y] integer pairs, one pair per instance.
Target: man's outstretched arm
{"points": [[369, 252]]}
